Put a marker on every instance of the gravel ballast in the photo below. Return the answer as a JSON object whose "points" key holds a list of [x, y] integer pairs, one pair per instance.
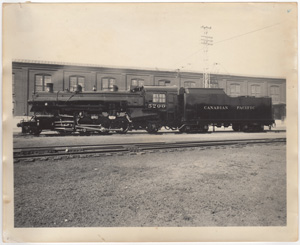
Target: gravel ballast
{"points": [[217, 186]]}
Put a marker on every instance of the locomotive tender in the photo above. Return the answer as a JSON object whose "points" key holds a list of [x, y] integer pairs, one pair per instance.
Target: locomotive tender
{"points": [[148, 107]]}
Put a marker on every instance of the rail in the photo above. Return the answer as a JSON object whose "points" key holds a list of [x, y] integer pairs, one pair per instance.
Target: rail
{"points": [[56, 151]]}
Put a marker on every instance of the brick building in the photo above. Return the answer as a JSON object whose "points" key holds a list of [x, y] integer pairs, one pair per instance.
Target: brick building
{"points": [[30, 76]]}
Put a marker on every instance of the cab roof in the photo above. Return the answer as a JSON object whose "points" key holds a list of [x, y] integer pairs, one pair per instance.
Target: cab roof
{"points": [[161, 89]]}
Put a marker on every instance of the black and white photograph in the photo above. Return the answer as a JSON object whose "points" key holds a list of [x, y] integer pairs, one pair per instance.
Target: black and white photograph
{"points": [[150, 122]]}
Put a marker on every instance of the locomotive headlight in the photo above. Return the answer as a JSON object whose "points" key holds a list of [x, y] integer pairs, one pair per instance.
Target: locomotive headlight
{"points": [[46, 104]]}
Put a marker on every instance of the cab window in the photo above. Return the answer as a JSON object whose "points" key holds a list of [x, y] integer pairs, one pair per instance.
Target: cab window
{"points": [[159, 98]]}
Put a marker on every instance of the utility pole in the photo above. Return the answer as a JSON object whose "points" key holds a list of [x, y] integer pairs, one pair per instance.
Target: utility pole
{"points": [[206, 41], [178, 76]]}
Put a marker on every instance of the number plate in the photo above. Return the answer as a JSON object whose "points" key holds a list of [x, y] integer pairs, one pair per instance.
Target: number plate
{"points": [[156, 106]]}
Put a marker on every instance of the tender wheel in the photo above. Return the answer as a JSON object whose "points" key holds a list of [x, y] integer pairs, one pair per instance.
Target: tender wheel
{"points": [[246, 128], [152, 128], [204, 129], [236, 127], [187, 129], [182, 129], [261, 128]]}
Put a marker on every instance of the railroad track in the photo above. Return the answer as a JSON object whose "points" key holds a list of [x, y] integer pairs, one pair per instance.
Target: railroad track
{"points": [[59, 151], [51, 134]]}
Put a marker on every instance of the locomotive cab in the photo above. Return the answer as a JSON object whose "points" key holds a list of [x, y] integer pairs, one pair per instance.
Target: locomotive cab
{"points": [[162, 101]]}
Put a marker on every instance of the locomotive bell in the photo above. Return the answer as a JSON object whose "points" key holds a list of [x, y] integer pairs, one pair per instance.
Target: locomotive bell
{"points": [[49, 87]]}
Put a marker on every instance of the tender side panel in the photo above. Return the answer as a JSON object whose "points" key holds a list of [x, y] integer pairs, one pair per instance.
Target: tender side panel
{"points": [[214, 106]]}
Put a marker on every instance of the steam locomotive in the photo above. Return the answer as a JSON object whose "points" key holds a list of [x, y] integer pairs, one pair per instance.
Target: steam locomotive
{"points": [[148, 108]]}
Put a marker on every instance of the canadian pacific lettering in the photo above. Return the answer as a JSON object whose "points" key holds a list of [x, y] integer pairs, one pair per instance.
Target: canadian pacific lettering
{"points": [[225, 107], [216, 107], [245, 107]]}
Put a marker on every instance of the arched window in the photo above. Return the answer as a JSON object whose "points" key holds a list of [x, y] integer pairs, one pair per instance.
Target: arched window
{"points": [[235, 89], [107, 83], [76, 80], [255, 90], [163, 82], [274, 93], [189, 84], [137, 82], [40, 82]]}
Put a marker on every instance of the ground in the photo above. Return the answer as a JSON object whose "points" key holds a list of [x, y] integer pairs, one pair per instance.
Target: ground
{"points": [[223, 186]]}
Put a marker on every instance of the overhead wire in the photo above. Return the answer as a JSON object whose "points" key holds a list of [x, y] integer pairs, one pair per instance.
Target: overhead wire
{"points": [[227, 39], [266, 27]]}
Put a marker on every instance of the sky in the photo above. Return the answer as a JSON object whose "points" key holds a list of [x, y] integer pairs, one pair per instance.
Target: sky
{"points": [[256, 39]]}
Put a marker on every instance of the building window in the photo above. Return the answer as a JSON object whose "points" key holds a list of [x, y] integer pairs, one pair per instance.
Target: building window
{"points": [[189, 84], [255, 90], [75, 81], [136, 82], [159, 98], [235, 90], [214, 83], [274, 92], [40, 82], [163, 82], [108, 83]]}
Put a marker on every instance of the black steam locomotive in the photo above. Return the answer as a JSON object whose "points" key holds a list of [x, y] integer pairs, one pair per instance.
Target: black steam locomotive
{"points": [[148, 107]]}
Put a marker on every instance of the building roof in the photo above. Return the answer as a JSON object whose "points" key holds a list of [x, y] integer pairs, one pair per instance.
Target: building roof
{"points": [[134, 68]]}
